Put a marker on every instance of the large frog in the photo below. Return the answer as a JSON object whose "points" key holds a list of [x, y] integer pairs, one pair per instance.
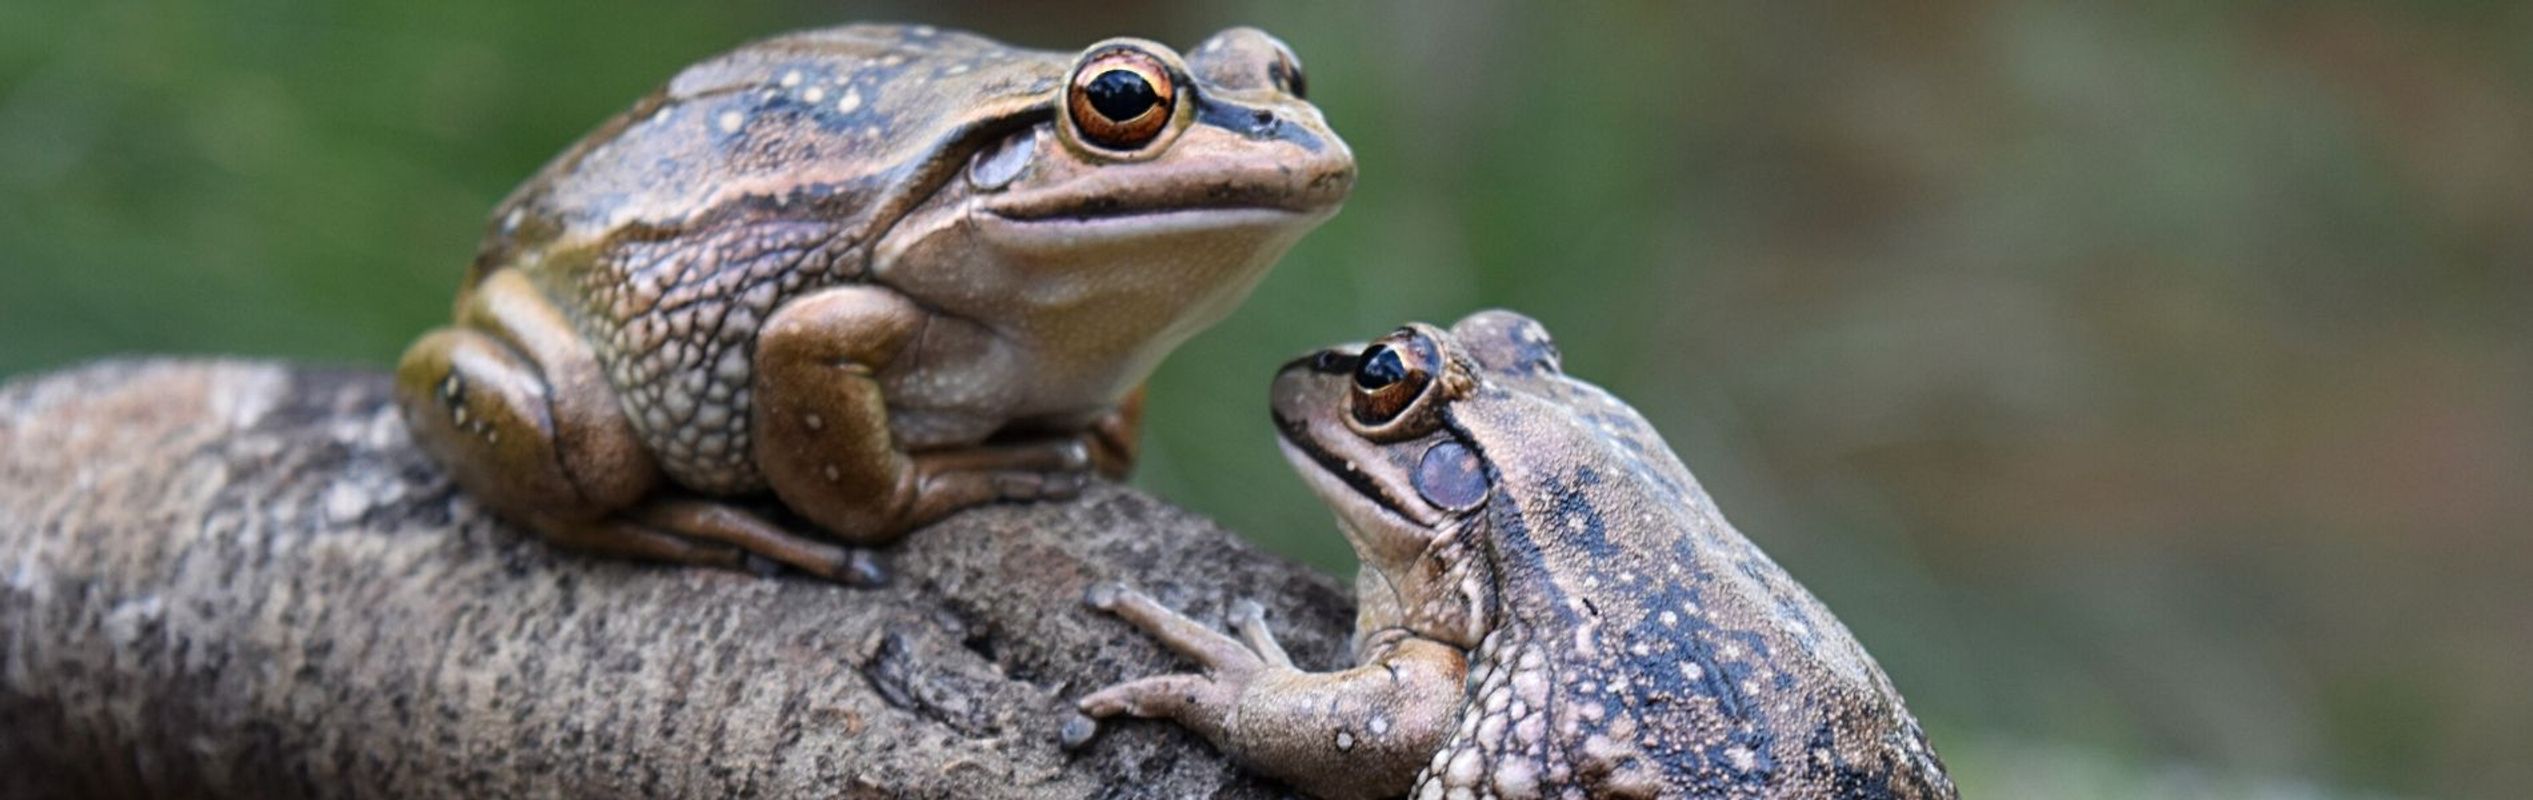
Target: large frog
{"points": [[875, 273], [1550, 606]]}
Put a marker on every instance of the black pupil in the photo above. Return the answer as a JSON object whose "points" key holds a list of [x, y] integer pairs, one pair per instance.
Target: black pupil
{"points": [[1120, 94], [1379, 369]]}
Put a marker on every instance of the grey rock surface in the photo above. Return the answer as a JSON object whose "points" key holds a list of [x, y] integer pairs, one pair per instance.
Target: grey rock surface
{"points": [[228, 579]]}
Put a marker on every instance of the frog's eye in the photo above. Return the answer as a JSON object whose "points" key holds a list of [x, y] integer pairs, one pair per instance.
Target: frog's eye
{"points": [[1287, 72], [1389, 377], [1121, 98]]}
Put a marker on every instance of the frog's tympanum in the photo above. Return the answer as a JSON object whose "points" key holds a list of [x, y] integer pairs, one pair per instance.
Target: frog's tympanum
{"points": [[877, 274], [1550, 606]]}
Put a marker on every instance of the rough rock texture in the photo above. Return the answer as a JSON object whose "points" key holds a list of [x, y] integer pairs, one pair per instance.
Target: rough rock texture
{"points": [[236, 579]]}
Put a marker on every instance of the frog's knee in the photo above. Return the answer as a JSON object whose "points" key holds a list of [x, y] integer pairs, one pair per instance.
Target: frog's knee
{"points": [[482, 411]]}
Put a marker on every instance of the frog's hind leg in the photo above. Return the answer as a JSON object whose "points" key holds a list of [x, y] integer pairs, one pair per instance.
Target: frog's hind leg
{"points": [[694, 530], [513, 402], [686, 529], [485, 412]]}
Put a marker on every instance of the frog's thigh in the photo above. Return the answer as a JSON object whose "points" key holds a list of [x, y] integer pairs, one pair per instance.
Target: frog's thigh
{"points": [[481, 409], [825, 445], [513, 403]]}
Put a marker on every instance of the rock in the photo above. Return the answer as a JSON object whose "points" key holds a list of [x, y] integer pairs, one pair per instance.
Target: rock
{"points": [[233, 579]]}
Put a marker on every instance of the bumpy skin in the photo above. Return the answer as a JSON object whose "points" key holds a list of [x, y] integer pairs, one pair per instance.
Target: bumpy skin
{"points": [[1619, 637], [865, 276]]}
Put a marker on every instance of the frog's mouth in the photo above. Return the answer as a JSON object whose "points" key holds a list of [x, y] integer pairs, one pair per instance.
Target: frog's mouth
{"points": [[1130, 223], [1225, 204], [1274, 191]]}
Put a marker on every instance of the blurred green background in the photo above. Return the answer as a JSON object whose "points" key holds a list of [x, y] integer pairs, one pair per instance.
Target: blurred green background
{"points": [[2149, 386]]}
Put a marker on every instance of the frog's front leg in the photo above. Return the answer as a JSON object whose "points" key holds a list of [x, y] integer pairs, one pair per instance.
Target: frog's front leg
{"points": [[1116, 438], [826, 447], [1360, 732]]}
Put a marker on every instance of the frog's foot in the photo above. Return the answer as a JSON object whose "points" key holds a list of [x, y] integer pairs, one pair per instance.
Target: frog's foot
{"points": [[1115, 438], [1202, 702], [700, 531], [512, 403], [1358, 732], [946, 481]]}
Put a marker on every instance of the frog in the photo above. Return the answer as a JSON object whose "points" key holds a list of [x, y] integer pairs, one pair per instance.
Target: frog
{"points": [[837, 284], [1549, 606]]}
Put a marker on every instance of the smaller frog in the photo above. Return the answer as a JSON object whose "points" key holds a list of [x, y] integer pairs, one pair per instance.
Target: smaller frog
{"points": [[1550, 606], [860, 278]]}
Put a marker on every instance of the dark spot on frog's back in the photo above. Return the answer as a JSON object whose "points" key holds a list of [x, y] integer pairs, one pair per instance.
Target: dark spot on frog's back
{"points": [[1575, 521], [1883, 774], [1587, 476]]}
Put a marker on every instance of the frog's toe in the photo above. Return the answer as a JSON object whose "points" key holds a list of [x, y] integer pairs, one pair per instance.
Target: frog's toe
{"points": [[863, 569], [1077, 731], [1181, 697], [1218, 653], [1115, 439], [1030, 486], [1244, 612], [1104, 595], [1064, 485], [946, 482], [1248, 619], [856, 567], [760, 566]]}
